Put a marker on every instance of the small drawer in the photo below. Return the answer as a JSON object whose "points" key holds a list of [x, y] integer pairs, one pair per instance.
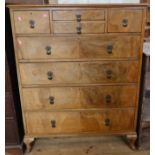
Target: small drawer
{"points": [[79, 15], [84, 27], [89, 97], [108, 47], [125, 20], [79, 72], [106, 121], [31, 22]]}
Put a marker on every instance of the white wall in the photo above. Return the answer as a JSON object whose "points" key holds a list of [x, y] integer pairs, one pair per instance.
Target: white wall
{"points": [[98, 1]]}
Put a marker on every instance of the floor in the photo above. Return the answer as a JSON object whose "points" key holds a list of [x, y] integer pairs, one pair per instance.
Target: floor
{"points": [[84, 146], [88, 146]]}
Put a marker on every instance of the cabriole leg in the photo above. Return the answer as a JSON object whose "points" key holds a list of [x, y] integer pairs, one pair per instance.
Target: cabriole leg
{"points": [[29, 141]]}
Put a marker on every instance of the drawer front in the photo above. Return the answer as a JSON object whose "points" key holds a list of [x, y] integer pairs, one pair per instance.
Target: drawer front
{"points": [[32, 22], [79, 14], [106, 121], [55, 98], [125, 20], [47, 47], [79, 72], [85, 27], [108, 46]]}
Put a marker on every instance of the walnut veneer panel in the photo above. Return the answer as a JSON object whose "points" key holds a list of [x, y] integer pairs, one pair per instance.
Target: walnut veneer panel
{"points": [[108, 46], [55, 98], [106, 121], [83, 14], [125, 20], [79, 72], [32, 21], [79, 68], [88, 27]]}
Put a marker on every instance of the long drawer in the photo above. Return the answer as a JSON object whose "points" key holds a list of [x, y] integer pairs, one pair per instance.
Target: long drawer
{"points": [[79, 72], [56, 98], [107, 121], [107, 46]]}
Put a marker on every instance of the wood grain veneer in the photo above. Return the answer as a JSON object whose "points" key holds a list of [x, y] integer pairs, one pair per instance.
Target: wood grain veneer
{"points": [[79, 64]]}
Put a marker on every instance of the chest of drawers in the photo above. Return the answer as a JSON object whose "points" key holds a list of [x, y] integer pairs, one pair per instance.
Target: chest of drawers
{"points": [[78, 68]]}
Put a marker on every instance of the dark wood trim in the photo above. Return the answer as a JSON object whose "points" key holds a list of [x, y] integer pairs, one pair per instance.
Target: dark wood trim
{"points": [[14, 128], [25, 2], [140, 109], [14, 150]]}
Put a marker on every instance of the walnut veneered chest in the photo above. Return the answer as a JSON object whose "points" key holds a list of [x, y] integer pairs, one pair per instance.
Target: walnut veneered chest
{"points": [[78, 68]]}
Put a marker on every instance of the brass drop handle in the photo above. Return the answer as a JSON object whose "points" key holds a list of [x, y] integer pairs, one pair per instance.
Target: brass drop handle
{"points": [[125, 22], [53, 123], [51, 100], [109, 74], [78, 18], [107, 122], [109, 48], [48, 50], [32, 24], [108, 98], [78, 30], [50, 75]]}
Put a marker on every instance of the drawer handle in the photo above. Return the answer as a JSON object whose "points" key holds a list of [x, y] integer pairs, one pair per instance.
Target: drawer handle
{"points": [[53, 123], [109, 74], [50, 75], [108, 99], [107, 122], [78, 18], [125, 22], [51, 100], [78, 30], [32, 24], [109, 48], [48, 50]]}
